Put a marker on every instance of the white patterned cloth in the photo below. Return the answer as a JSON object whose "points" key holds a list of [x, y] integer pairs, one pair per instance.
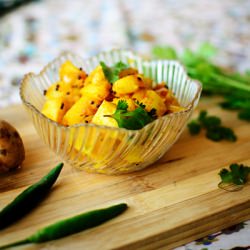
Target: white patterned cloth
{"points": [[34, 34]]}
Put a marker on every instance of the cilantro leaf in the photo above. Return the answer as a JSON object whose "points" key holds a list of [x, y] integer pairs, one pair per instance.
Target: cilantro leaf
{"points": [[107, 71], [238, 174], [194, 127], [122, 105], [228, 134], [112, 73], [212, 124], [219, 133], [209, 121], [135, 119], [226, 176]]}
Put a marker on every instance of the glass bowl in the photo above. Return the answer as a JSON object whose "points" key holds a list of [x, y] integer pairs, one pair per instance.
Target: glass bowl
{"points": [[104, 149]]}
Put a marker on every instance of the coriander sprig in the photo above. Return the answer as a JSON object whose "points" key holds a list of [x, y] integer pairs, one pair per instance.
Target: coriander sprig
{"points": [[235, 178], [135, 119], [233, 86], [112, 73], [212, 124]]}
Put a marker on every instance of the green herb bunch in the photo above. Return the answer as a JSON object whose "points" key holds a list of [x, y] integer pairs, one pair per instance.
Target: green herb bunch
{"points": [[233, 86], [212, 124]]}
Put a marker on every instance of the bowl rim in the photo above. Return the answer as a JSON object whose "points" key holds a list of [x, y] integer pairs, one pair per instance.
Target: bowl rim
{"points": [[132, 53]]}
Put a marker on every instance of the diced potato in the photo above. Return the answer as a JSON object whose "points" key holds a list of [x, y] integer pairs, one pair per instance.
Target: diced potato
{"points": [[135, 155], [106, 108], [96, 76], [56, 90], [152, 101], [146, 81], [79, 112], [166, 95], [97, 92], [162, 91], [72, 96], [100, 152], [160, 86], [61, 89], [55, 109], [80, 138], [139, 94], [126, 72], [96, 85], [171, 99], [96, 147], [127, 85], [69, 73], [130, 102]]}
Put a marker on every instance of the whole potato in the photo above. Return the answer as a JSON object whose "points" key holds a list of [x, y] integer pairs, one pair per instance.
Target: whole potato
{"points": [[12, 151]]}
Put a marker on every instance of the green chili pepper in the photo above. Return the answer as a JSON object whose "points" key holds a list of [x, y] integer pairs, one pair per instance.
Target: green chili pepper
{"points": [[29, 198], [72, 225]]}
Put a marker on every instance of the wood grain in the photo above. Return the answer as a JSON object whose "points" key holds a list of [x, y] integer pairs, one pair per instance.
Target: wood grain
{"points": [[172, 202]]}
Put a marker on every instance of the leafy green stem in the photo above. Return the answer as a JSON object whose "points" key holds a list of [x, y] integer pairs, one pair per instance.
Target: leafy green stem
{"points": [[230, 82]]}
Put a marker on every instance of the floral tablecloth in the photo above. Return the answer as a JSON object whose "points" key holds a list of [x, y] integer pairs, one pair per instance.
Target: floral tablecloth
{"points": [[37, 32]]}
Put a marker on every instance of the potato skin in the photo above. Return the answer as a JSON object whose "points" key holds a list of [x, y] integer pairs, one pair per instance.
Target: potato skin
{"points": [[12, 151]]}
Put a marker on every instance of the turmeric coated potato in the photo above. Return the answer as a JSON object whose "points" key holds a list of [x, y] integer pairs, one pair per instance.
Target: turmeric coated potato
{"points": [[12, 151], [79, 97], [127, 85], [69, 73], [151, 100], [101, 116]]}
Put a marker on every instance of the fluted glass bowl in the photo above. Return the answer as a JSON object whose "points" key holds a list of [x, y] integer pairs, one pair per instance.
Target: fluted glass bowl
{"points": [[109, 150]]}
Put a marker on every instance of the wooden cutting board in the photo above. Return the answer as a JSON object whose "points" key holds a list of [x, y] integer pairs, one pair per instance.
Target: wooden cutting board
{"points": [[172, 202]]}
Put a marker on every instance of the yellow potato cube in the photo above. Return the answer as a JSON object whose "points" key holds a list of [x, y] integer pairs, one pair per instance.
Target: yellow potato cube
{"points": [[170, 99], [55, 109], [151, 100], [97, 92], [134, 155], [127, 85], [80, 138], [127, 72], [139, 94], [96, 147], [106, 108], [79, 112], [96, 76], [69, 73], [96, 85], [63, 90], [146, 80], [56, 90]]}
